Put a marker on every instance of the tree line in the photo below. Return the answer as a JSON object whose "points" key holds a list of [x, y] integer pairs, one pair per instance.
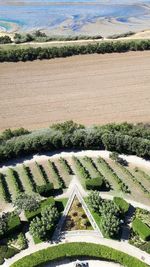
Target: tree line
{"points": [[31, 53], [122, 138]]}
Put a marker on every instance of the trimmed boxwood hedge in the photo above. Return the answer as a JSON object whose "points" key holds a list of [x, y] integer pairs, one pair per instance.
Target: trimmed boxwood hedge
{"points": [[94, 183], [121, 204], [31, 214], [7, 252], [142, 229], [77, 250], [45, 190]]}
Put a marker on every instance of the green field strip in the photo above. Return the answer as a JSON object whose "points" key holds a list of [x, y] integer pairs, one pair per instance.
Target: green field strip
{"points": [[11, 186], [51, 174], [4, 192], [41, 172], [36, 174], [103, 168], [141, 177], [66, 166], [56, 174], [81, 170], [86, 161], [27, 184], [48, 173], [65, 176], [134, 179]]}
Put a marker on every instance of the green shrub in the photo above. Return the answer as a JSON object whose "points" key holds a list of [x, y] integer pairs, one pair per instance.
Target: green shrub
{"points": [[7, 252], [123, 138], [11, 252], [26, 202], [32, 214], [5, 40], [77, 250], [45, 190], [94, 183], [122, 204], [14, 224], [141, 229]]}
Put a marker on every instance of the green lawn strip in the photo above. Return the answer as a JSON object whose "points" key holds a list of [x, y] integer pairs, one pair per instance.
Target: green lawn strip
{"points": [[103, 166], [88, 164], [134, 179], [56, 174], [4, 193], [62, 170], [96, 217], [42, 174], [36, 174], [11, 185], [76, 250], [141, 176], [27, 184], [49, 173]]}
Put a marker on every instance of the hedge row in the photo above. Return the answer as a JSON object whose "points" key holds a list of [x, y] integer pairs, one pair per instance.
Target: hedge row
{"points": [[77, 250], [4, 188], [6, 253], [121, 204], [122, 138], [56, 174], [66, 166], [13, 175], [94, 183], [42, 172], [125, 170], [29, 176], [123, 187], [142, 229], [83, 172], [93, 166], [13, 225], [25, 54], [45, 190]]}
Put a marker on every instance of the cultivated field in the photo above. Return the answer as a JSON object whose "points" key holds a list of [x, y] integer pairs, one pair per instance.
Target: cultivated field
{"points": [[88, 89]]}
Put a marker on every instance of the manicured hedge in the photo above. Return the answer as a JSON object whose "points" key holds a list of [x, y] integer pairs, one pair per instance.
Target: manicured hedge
{"points": [[141, 229], [7, 252], [14, 224], [122, 204], [76, 250], [94, 183], [45, 190], [31, 214]]}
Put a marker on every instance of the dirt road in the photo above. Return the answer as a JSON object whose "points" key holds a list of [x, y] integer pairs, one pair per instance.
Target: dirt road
{"points": [[89, 89]]}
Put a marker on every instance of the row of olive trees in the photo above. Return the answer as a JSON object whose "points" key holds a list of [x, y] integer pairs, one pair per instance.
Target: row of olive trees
{"points": [[31, 53], [72, 136]]}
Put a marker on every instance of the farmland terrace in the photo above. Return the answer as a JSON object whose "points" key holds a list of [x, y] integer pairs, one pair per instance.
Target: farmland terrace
{"points": [[36, 94]]}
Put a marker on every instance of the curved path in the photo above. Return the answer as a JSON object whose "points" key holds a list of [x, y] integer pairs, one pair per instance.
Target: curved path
{"points": [[85, 237]]}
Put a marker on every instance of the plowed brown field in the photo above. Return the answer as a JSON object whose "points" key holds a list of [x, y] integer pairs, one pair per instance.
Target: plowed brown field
{"points": [[89, 89]]}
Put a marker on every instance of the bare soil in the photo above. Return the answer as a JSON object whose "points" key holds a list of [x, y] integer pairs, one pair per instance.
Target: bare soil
{"points": [[89, 89]]}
